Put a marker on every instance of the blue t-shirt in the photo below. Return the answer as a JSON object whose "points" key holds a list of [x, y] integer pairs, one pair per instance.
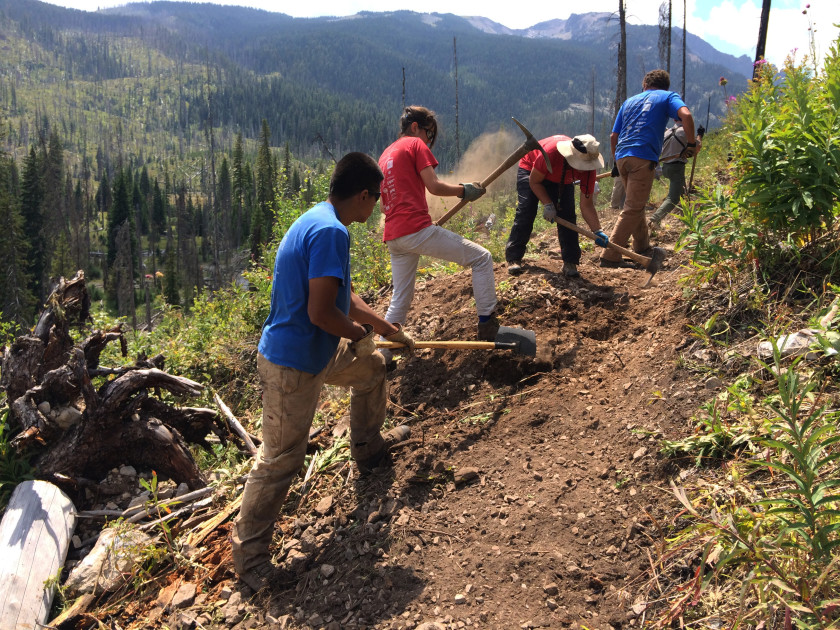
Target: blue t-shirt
{"points": [[317, 245], [641, 122]]}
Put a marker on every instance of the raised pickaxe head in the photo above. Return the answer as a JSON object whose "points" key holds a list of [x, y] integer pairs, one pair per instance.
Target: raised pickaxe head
{"points": [[530, 144], [655, 263]]}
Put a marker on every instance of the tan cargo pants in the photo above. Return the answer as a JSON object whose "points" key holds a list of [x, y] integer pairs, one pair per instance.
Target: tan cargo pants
{"points": [[637, 177], [289, 401]]}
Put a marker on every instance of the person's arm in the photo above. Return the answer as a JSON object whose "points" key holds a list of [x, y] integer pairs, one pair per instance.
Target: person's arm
{"points": [[362, 313], [588, 212], [437, 187], [324, 314], [613, 143], [536, 181], [688, 124]]}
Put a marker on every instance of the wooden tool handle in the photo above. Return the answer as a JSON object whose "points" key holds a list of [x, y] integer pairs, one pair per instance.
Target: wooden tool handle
{"points": [[642, 260], [452, 345], [510, 161]]}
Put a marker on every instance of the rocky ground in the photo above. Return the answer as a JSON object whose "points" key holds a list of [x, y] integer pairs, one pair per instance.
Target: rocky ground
{"points": [[531, 494]]}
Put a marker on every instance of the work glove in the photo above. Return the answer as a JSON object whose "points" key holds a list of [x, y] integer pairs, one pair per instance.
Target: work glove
{"points": [[549, 212], [689, 150], [614, 172], [402, 337], [601, 240], [366, 345], [473, 191]]}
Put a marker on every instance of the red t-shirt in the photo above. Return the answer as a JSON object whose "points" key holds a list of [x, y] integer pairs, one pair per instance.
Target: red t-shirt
{"points": [[403, 192], [535, 160]]}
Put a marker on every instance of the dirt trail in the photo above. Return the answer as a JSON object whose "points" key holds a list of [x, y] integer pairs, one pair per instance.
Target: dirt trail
{"points": [[531, 492]]}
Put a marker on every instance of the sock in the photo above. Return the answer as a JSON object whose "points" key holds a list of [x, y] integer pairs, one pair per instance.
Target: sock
{"points": [[483, 318]]}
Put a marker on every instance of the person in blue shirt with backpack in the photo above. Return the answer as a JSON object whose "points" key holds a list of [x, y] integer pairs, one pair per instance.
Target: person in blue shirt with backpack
{"points": [[636, 142], [318, 331]]}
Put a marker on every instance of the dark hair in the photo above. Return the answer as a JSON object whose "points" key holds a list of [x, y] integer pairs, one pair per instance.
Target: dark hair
{"points": [[423, 116], [354, 173], [657, 80]]}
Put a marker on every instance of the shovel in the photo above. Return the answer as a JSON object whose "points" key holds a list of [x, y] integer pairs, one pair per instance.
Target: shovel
{"points": [[519, 340]]}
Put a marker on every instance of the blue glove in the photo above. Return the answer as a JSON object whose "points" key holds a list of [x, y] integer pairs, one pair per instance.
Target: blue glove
{"points": [[549, 212], [601, 240]]}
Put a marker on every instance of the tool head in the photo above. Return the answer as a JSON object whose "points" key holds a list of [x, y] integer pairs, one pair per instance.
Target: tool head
{"points": [[532, 143], [525, 341], [655, 264]]}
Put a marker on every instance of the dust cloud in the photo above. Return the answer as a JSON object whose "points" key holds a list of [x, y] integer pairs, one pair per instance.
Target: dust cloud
{"points": [[481, 158]]}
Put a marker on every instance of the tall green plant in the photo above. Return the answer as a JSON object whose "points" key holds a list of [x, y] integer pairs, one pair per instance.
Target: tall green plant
{"points": [[787, 151]]}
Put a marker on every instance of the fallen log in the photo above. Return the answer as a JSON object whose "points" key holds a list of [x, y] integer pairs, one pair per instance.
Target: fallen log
{"points": [[35, 535]]}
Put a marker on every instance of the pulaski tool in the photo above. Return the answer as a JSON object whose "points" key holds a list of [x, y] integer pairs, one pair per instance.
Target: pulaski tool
{"points": [[651, 265], [530, 144], [519, 340]]}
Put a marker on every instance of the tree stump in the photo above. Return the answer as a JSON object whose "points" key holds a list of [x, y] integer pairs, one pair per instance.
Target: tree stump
{"points": [[81, 431]]}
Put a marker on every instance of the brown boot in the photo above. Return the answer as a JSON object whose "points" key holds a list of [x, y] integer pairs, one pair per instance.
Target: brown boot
{"points": [[392, 437]]}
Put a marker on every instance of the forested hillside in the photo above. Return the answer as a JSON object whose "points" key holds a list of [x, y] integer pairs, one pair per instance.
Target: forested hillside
{"points": [[152, 145]]}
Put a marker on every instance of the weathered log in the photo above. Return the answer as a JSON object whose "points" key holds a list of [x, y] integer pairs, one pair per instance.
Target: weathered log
{"points": [[34, 538]]}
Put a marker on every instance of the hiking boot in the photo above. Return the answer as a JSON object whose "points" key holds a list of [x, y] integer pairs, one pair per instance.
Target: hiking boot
{"points": [[488, 330], [392, 437], [265, 575], [570, 270], [514, 267], [619, 264]]}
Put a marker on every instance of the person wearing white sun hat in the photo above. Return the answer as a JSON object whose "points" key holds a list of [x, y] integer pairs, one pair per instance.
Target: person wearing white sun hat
{"points": [[572, 159]]}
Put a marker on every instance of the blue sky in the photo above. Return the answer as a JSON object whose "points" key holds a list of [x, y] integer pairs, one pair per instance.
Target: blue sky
{"points": [[729, 25]]}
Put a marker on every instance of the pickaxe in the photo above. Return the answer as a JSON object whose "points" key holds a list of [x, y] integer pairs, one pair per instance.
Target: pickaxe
{"points": [[526, 147], [651, 265]]}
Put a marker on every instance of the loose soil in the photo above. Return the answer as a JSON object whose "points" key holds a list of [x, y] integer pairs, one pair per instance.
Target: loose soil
{"points": [[532, 492]]}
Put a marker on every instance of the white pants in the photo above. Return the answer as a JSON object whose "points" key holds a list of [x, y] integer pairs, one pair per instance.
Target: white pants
{"points": [[438, 242]]}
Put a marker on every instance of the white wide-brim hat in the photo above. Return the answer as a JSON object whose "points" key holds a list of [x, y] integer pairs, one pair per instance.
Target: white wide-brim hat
{"points": [[582, 152]]}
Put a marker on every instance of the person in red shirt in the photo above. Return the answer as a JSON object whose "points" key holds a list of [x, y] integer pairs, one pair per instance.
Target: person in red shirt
{"points": [[572, 159], [409, 169]]}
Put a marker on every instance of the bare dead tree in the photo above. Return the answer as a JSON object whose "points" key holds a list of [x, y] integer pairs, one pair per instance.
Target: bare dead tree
{"points": [[621, 72], [685, 37], [592, 101], [665, 34], [457, 126], [762, 33]]}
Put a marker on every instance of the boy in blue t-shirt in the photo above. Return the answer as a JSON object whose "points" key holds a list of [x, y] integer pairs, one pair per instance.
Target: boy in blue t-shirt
{"points": [[636, 142], [318, 331]]}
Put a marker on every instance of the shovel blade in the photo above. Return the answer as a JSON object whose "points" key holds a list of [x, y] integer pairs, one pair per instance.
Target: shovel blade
{"points": [[525, 340]]}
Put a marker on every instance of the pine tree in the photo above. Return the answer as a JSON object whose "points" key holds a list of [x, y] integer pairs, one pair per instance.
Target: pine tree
{"points": [[31, 197], [261, 231], [17, 302]]}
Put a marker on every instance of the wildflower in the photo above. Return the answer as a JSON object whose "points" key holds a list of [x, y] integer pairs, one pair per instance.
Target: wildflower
{"points": [[723, 81], [158, 274], [731, 100]]}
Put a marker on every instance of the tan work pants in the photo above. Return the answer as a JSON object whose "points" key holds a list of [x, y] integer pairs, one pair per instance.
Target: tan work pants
{"points": [[289, 401], [637, 177]]}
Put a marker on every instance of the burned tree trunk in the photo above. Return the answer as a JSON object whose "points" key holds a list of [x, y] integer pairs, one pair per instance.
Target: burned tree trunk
{"points": [[80, 431]]}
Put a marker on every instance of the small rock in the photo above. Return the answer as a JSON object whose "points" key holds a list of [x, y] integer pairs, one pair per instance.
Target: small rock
{"points": [[640, 453], [324, 506], [713, 383], [327, 570], [612, 550], [550, 589], [552, 605], [463, 475], [460, 598], [128, 471], [44, 408], [184, 597]]}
